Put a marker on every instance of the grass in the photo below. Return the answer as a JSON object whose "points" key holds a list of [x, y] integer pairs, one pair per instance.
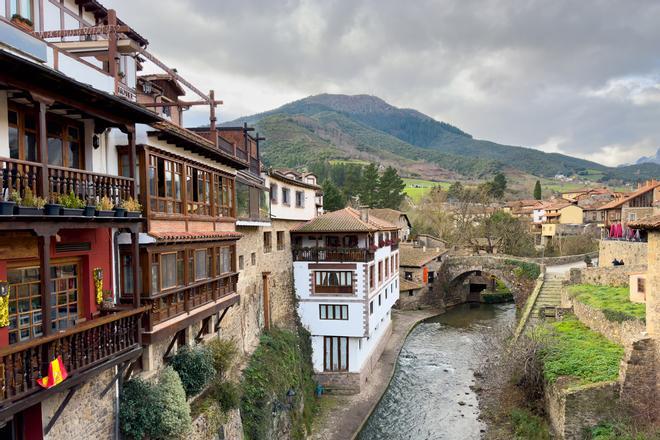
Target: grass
{"points": [[529, 426], [349, 162], [580, 353], [416, 189], [612, 301]]}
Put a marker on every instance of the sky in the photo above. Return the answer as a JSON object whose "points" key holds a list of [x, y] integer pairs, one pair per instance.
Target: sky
{"points": [[575, 77]]}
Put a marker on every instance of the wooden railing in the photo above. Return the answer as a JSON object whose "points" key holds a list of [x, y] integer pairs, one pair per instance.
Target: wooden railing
{"points": [[187, 299], [332, 254], [19, 175], [81, 347]]}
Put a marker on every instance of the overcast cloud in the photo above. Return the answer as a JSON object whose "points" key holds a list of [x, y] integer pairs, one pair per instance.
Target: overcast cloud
{"points": [[576, 77]]}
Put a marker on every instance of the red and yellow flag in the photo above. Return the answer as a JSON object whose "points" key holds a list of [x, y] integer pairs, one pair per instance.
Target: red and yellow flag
{"points": [[56, 374]]}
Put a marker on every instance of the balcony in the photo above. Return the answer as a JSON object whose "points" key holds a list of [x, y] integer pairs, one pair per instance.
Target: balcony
{"points": [[342, 255], [188, 300], [19, 175], [85, 350]]}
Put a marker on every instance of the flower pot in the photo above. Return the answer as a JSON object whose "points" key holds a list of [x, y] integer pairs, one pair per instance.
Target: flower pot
{"points": [[120, 212], [133, 214], [72, 212], [89, 211], [105, 213], [52, 209], [7, 208], [22, 24], [28, 210]]}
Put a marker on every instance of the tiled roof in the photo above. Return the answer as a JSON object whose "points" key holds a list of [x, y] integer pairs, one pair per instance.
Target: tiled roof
{"points": [[620, 201], [183, 133], [167, 236], [651, 223], [345, 220], [417, 256], [405, 285], [390, 215]]}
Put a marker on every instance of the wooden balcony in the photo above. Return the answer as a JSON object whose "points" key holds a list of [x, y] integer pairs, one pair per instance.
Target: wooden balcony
{"points": [[185, 300], [85, 350], [343, 255], [20, 175]]}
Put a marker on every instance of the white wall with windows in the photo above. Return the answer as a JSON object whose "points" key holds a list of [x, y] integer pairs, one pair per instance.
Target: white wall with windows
{"points": [[289, 201]]}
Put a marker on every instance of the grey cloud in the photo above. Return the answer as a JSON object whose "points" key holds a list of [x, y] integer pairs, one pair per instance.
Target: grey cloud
{"points": [[517, 72]]}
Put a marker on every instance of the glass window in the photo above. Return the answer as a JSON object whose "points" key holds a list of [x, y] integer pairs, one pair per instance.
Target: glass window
{"points": [[155, 274], [64, 296], [273, 193], [201, 269], [24, 304], [335, 356], [300, 199], [285, 196], [333, 282], [333, 312], [168, 266], [242, 200], [267, 242]]}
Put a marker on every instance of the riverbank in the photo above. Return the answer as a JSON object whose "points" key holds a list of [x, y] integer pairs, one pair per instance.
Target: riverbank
{"points": [[342, 417]]}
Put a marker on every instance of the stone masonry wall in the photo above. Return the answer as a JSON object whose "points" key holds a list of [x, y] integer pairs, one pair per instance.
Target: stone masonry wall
{"points": [[573, 409], [653, 292], [617, 276], [632, 253], [87, 415]]}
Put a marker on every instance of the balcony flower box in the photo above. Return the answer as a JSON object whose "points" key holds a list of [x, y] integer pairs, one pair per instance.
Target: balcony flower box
{"points": [[373, 248], [105, 213], [22, 22], [89, 211], [29, 210], [133, 214], [7, 207], [52, 209], [72, 212], [120, 212]]}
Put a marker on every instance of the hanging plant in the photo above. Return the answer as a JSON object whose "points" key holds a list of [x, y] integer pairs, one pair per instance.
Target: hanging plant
{"points": [[98, 284], [4, 306]]}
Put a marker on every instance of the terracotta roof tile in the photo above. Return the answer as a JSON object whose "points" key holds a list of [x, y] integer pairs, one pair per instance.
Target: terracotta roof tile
{"points": [[344, 220], [389, 215], [405, 285], [620, 201], [416, 256], [651, 223], [194, 236]]}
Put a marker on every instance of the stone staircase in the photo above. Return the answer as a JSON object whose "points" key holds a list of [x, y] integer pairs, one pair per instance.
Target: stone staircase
{"points": [[549, 297]]}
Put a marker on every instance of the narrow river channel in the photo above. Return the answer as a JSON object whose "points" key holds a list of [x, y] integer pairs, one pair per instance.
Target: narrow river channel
{"points": [[430, 396]]}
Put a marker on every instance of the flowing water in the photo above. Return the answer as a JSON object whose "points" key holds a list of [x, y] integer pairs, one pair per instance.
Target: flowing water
{"points": [[430, 396]]}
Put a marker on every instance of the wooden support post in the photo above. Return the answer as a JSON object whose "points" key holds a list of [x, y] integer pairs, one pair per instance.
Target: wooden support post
{"points": [[112, 48], [132, 160], [44, 263], [213, 118], [265, 278], [224, 312], [60, 409], [43, 151], [135, 260]]}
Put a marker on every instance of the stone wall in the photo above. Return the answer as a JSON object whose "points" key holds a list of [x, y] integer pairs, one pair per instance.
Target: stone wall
{"points": [[617, 276], [653, 281], [87, 415], [640, 384], [623, 333], [571, 410], [632, 253]]}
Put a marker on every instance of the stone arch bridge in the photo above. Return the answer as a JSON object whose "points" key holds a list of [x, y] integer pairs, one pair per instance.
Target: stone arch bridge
{"points": [[518, 274]]}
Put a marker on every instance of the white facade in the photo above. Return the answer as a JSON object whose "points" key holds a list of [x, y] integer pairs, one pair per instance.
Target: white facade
{"points": [[368, 306], [293, 200]]}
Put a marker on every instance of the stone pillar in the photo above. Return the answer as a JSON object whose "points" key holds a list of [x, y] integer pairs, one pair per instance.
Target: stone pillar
{"points": [[653, 286]]}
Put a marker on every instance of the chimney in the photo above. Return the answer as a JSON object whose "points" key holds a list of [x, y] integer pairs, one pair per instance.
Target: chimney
{"points": [[364, 214]]}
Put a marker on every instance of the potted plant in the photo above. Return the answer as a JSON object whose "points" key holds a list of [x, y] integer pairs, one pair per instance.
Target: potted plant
{"points": [[108, 300], [71, 204], [31, 205], [7, 206], [53, 207], [89, 210], [120, 211], [132, 207], [22, 22], [104, 207]]}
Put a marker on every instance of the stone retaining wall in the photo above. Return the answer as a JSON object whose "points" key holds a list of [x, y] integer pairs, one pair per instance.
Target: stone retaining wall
{"points": [[632, 253], [616, 276], [571, 410]]}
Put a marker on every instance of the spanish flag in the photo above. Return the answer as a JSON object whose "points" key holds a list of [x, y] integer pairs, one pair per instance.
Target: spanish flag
{"points": [[56, 374]]}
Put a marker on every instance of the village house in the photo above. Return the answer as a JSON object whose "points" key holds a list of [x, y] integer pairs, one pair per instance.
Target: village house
{"points": [[557, 217], [396, 218], [418, 270], [643, 202], [346, 266]]}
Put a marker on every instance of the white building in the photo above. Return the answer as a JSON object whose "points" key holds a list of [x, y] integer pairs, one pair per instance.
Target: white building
{"points": [[293, 195], [346, 267]]}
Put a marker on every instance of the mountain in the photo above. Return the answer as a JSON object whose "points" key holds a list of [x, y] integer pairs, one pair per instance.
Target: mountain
{"points": [[363, 127], [650, 159]]}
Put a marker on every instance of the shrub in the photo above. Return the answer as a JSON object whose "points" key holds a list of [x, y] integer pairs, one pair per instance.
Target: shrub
{"points": [[71, 201], [227, 394], [195, 367], [131, 205], [30, 201], [529, 426], [523, 269], [223, 352], [105, 204], [155, 411]]}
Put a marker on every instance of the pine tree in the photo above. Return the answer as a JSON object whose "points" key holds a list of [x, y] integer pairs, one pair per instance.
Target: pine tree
{"points": [[455, 190], [538, 193], [498, 186], [390, 190], [368, 191], [333, 199]]}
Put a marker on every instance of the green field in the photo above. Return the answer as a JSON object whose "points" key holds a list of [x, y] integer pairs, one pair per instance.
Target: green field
{"points": [[349, 162], [416, 189]]}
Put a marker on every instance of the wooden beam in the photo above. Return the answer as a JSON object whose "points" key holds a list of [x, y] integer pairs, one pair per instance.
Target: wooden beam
{"points": [[222, 316], [85, 31], [120, 373], [60, 409], [135, 257], [44, 263]]}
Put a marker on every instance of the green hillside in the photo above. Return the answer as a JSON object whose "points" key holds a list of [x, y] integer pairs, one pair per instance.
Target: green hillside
{"points": [[362, 127]]}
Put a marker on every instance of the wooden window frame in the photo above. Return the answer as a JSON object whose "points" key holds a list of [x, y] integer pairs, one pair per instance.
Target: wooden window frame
{"points": [[20, 127], [281, 240], [331, 340], [341, 289], [300, 195], [343, 312], [268, 242]]}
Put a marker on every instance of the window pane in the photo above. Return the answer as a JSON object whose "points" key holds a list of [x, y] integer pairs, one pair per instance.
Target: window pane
{"points": [[55, 151], [13, 142], [323, 312], [335, 353], [74, 155], [343, 352], [200, 264], [169, 270]]}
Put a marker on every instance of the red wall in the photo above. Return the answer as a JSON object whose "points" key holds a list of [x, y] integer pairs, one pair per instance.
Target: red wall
{"points": [[100, 255]]}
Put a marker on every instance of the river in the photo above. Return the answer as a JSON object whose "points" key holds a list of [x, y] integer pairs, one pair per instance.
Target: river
{"points": [[430, 396]]}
